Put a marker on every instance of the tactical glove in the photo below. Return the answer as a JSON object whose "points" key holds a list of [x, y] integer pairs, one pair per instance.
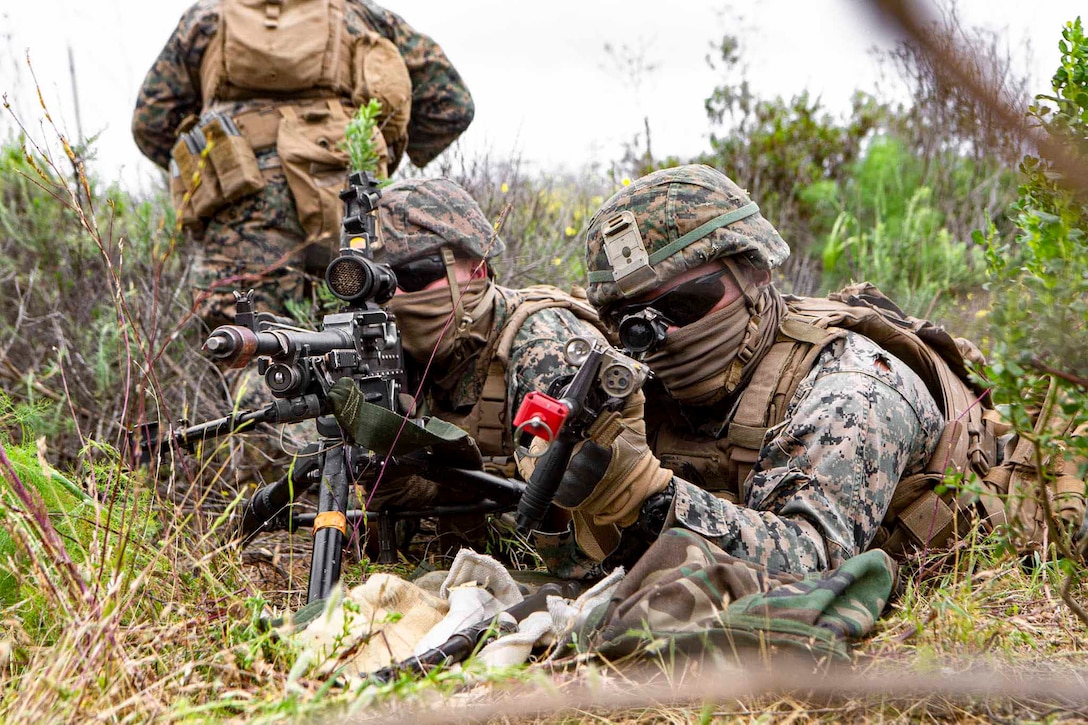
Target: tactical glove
{"points": [[609, 477]]}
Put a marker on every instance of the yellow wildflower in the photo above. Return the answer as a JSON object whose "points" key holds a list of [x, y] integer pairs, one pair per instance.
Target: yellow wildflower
{"points": [[504, 188], [570, 231]]}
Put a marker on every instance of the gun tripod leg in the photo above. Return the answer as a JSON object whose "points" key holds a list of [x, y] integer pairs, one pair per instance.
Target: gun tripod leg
{"points": [[330, 525]]}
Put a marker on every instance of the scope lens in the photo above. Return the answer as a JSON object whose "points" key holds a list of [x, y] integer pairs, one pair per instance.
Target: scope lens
{"points": [[349, 278], [354, 278]]}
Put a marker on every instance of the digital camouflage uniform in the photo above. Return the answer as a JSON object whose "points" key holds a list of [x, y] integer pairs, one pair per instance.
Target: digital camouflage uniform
{"points": [[420, 217], [859, 422], [258, 240]]}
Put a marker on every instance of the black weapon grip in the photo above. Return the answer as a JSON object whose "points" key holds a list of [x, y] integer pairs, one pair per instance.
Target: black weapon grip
{"points": [[545, 481]]}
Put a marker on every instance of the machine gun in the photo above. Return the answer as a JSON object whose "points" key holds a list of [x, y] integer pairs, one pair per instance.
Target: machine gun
{"points": [[300, 368]]}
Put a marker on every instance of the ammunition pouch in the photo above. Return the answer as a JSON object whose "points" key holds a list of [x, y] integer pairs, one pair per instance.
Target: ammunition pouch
{"points": [[212, 165]]}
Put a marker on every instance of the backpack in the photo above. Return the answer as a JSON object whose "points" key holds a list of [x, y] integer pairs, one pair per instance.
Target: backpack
{"points": [[920, 515], [308, 74]]}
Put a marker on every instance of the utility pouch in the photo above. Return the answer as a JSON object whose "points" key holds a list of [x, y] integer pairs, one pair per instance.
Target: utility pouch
{"points": [[179, 199], [379, 71], [196, 194], [308, 142], [232, 157]]}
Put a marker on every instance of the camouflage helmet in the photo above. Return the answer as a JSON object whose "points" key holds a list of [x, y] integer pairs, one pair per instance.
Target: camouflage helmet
{"points": [[418, 217], [668, 222]]}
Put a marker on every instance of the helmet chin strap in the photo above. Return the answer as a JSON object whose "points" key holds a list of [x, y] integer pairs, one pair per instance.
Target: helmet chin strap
{"points": [[463, 319]]}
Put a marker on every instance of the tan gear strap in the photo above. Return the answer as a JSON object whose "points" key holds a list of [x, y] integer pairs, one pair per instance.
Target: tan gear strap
{"points": [[763, 401], [606, 428], [461, 320], [331, 520]]}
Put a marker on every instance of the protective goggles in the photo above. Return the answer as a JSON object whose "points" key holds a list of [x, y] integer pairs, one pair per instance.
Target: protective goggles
{"points": [[680, 306], [417, 274]]}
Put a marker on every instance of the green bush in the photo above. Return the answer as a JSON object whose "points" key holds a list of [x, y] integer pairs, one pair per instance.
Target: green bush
{"points": [[1039, 282], [890, 232]]}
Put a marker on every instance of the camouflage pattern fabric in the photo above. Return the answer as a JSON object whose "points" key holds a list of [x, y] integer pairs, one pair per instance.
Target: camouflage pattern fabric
{"points": [[688, 596], [420, 216], [859, 422], [442, 107], [257, 242], [669, 204]]}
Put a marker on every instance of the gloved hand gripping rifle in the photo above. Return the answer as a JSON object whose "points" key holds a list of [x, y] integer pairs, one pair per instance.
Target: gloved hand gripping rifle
{"points": [[605, 379]]}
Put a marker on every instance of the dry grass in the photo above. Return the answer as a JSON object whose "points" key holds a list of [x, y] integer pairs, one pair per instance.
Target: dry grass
{"points": [[143, 611]]}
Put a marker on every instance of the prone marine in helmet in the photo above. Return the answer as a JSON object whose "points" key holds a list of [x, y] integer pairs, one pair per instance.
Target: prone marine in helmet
{"points": [[795, 478], [477, 347]]}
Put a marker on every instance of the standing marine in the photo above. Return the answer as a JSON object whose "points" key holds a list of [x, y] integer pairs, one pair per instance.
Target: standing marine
{"points": [[247, 106]]}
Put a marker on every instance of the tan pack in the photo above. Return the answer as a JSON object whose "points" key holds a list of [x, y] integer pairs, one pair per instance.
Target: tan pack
{"points": [[289, 51], [282, 47], [232, 157], [1018, 496], [316, 167], [212, 165], [917, 516], [194, 189]]}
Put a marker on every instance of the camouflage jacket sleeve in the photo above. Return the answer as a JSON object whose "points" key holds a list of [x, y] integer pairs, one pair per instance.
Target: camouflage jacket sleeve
{"points": [[442, 107], [536, 358], [826, 475], [171, 89]]}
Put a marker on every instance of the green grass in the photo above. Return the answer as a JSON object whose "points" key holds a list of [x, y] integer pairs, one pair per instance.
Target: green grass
{"points": [[124, 600]]}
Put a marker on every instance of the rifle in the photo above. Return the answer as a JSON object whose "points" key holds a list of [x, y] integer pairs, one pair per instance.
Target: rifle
{"points": [[605, 379], [300, 368]]}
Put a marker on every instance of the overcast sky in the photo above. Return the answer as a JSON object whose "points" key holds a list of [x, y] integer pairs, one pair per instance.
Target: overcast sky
{"points": [[545, 88]]}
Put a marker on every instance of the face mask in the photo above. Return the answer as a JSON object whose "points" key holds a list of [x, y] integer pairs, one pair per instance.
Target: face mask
{"points": [[426, 320], [695, 360], [702, 363]]}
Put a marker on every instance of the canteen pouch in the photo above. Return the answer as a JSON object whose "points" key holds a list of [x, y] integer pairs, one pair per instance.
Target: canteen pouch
{"points": [[308, 142], [380, 72], [232, 158]]}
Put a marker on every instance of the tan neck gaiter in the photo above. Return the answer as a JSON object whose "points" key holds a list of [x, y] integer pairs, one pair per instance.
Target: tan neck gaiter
{"points": [[423, 316], [702, 363]]}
